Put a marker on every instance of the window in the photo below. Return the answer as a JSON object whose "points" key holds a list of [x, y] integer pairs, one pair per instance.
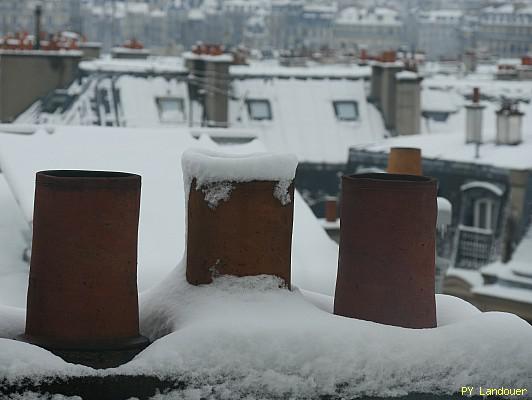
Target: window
{"points": [[259, 110], [171, 109], [346, 110], [483, 214]]}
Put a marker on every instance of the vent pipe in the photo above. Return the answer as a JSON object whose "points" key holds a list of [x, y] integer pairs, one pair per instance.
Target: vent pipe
{"points": [[209, 82], [474, 112], [331, 214], [38, 14], [509, 124]]}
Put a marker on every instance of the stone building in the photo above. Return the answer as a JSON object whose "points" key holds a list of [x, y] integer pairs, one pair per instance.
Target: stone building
{"points": [[373, 29], [505, 31], [439, 34]]}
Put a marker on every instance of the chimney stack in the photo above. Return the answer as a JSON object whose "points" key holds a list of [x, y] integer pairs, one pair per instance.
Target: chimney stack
{"points": [[407, 103], [209, 82], [474, 119], [509, 124]]}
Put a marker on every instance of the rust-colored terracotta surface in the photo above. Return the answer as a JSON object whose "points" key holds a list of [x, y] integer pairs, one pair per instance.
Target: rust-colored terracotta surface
{"points": [[83, 277], [249, 234], [387, 243], [331, 214], [405, 160]]}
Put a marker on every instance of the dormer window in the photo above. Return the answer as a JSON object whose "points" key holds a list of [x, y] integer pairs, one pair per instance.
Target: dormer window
{"points": [[346, 110], [171, 110], [259, 109]]}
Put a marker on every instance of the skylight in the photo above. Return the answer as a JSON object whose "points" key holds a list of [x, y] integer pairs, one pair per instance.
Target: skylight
{"points": [[171, 109], [346, 110], [259, 109]]}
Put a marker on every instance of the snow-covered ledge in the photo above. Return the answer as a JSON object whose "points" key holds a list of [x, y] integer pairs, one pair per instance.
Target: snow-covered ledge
{"points": [[246, 336]]}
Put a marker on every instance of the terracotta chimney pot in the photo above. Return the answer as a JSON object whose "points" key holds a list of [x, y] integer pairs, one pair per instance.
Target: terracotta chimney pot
{"points": [[405, 160], [249, 234], [386, 268], [82, 294]]}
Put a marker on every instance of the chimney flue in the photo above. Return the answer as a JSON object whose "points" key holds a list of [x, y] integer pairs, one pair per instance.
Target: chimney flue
{"points": [[509, 124], [38, 14], [476, 95], [331, 214], [474, 119]]}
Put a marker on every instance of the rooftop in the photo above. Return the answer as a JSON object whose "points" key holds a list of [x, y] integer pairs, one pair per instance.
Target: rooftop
{"points": [[240, 334]]}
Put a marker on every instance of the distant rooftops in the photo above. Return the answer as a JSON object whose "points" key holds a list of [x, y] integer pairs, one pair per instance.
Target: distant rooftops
{"points": [[362, 16]]}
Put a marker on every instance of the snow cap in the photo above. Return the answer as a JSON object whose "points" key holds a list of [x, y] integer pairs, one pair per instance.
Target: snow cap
{"points": [[208, 166]]}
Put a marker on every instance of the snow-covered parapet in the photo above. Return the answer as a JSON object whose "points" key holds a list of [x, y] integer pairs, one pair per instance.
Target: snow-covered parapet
{"points": [[239, 212]]}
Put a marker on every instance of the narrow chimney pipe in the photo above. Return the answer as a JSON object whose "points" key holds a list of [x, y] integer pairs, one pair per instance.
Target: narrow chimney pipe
{"points": [[476, 95], [331, 214], [38, 15], [474, 112]]}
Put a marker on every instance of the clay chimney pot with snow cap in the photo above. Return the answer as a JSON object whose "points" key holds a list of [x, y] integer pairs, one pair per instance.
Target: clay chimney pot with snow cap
{"points": [[405, 160], [82, 295], [386, 267], [240, 213]]}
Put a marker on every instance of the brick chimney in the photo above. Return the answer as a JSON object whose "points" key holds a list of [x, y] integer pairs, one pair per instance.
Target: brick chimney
{"points": [[209, 82], [408, 103]]}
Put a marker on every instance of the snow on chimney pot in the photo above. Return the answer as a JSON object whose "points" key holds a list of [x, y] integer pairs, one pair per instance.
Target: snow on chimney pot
{"points": [[509, 124]]}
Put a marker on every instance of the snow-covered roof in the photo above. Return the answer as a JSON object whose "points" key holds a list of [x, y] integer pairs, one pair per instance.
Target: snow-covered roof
{"points": [[47, 53], [440, 101], [240, 335], [152, 65], [406, 76], [446, 140], [315, 72], [441, 16], [361, 16], [226, 58], [301, 101], [452, 146], [514, 278], [303, 116], [508, 9]]}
